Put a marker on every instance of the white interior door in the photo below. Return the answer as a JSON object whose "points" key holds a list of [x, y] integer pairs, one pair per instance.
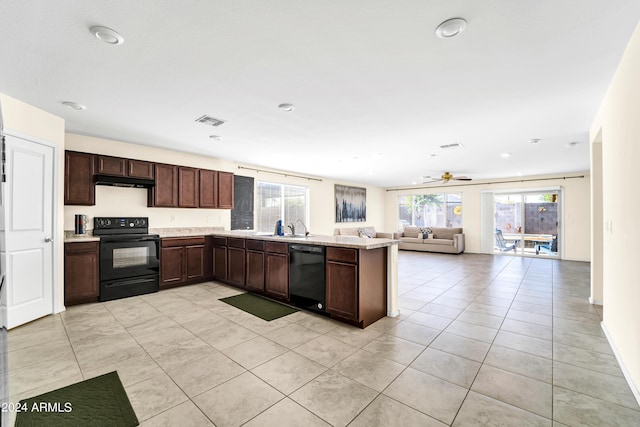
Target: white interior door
{"points": [[28, 209]]}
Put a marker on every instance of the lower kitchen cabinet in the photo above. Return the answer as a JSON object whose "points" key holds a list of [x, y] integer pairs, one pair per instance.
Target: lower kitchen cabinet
{"points": [[236, 261], [277, 270], [81, 272], [356, 284], [182, 261], [220, 258], [342, 295], [255, 265]]}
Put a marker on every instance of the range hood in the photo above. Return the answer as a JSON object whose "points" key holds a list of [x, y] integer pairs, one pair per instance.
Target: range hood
{"points": [[124, 181]]}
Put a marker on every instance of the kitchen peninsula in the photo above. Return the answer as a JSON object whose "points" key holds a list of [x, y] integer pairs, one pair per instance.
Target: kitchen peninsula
{"points": [[360, 274]]}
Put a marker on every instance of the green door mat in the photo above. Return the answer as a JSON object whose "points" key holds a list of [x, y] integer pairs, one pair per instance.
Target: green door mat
{"points": [[261, 307], [99, 401]]}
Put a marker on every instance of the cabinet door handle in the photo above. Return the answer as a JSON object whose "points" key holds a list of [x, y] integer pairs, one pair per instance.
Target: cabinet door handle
{"points": [[48, 239]]}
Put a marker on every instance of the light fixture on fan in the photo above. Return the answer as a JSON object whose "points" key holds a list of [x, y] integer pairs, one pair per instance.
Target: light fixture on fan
{"points": [[446, 177]]}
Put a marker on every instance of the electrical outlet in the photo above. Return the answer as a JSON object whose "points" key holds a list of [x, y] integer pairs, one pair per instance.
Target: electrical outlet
{"points": [[172, 218]]}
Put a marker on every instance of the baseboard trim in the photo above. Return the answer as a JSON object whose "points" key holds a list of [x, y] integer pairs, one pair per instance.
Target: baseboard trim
{"points": [[394, 313], [594, 302], [625, 372]]}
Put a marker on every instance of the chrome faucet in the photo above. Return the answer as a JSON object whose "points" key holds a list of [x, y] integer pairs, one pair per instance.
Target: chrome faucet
{"points": [[306, 231], [292, 228]]}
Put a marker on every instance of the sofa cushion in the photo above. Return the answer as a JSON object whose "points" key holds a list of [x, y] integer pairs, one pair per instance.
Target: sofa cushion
{"points": [[440, 242], [412, 239], [446, 233], [411, 232], [369, 231], [348, 231]]}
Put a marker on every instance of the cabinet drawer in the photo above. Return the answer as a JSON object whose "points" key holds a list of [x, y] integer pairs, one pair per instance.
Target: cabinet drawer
{"points": [[342, 254], [280, 248], [219, 241], [80, 247], [255, 245], [235, 243], [181, 241]]}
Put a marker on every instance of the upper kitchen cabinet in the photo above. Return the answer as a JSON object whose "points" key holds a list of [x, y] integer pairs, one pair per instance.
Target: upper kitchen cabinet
{"points": [[208, 189], [225, 190], [117, 166], [216, 189], [78, 179], [188, 187], [107, 165], [165, 192], [139, 169]]}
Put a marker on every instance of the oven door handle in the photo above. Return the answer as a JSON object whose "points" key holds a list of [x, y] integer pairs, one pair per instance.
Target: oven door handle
{"points": [[129, 239]]}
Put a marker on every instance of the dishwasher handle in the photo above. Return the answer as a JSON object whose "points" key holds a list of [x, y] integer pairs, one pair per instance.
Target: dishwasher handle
{"points": [[306, 248]]}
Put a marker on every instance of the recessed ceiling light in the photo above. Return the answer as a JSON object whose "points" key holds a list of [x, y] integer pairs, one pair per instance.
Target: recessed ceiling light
{"points": [[505, 155], [432, 155], [572, 144], [534, 140], [286, 107], [414, 183], [216, 137], [107, 35], [74, 105], [451, 28]]}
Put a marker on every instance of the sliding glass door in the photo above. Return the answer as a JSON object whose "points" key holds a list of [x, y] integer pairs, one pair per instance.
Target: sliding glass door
{"points": [[526, 223]]}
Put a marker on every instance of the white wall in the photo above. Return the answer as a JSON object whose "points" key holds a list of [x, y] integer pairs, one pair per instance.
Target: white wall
{"points": [[116, 201], [32, 121], [575, 215], [619, 125]]}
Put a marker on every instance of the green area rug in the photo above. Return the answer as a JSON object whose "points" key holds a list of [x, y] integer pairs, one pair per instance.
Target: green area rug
{"points": [[261, 307], [99, 401]]}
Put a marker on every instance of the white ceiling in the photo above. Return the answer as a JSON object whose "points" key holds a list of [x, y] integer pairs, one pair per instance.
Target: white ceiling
{"points": [[375, 91]]}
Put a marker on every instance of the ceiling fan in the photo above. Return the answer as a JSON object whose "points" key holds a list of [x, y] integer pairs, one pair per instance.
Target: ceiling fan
{"points": [[446, 177]]}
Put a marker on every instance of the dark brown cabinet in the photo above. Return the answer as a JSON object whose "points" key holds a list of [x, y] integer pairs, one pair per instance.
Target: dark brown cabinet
{"points": [[236, 261], [208, 189], [107, 165], [172, 266], [188, 188], [79, 188], [117, 166], [255, 265], [220, 258], [277, 270], [342, 295], [139, 169], [356, 284], [182, 260], [81, 277], [165, 193], [225, 190]]}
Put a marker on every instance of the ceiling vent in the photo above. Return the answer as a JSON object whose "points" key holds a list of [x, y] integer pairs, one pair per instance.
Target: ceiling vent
{"points": [[454, 146], [211, 121]]}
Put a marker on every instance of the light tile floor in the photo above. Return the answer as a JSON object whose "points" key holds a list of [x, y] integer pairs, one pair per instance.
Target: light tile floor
{"points": [[481, 340]]}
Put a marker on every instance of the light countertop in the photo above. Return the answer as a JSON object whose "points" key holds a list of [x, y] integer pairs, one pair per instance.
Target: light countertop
{"points": [[338, 241]]}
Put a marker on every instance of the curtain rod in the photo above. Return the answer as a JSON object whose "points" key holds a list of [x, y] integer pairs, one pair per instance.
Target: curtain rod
{"points": [[280, 173], [489, 183]]}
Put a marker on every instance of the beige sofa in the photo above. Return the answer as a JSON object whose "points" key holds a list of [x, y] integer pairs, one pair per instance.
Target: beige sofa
{"points": [[365, 231], [445, 240]]}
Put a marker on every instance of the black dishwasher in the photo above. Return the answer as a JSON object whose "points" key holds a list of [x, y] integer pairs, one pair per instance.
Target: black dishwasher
{"points": [[306, 277]]}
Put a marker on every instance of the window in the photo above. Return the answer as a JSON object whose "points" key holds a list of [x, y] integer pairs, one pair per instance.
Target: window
{"points": [[430, 210], [280, 201]]}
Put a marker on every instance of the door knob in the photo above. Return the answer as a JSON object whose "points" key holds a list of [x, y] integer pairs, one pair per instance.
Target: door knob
{"points": [[48, 239]]}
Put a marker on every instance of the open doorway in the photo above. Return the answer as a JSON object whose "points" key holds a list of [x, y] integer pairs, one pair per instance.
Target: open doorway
{"points": [[527, 223]]}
